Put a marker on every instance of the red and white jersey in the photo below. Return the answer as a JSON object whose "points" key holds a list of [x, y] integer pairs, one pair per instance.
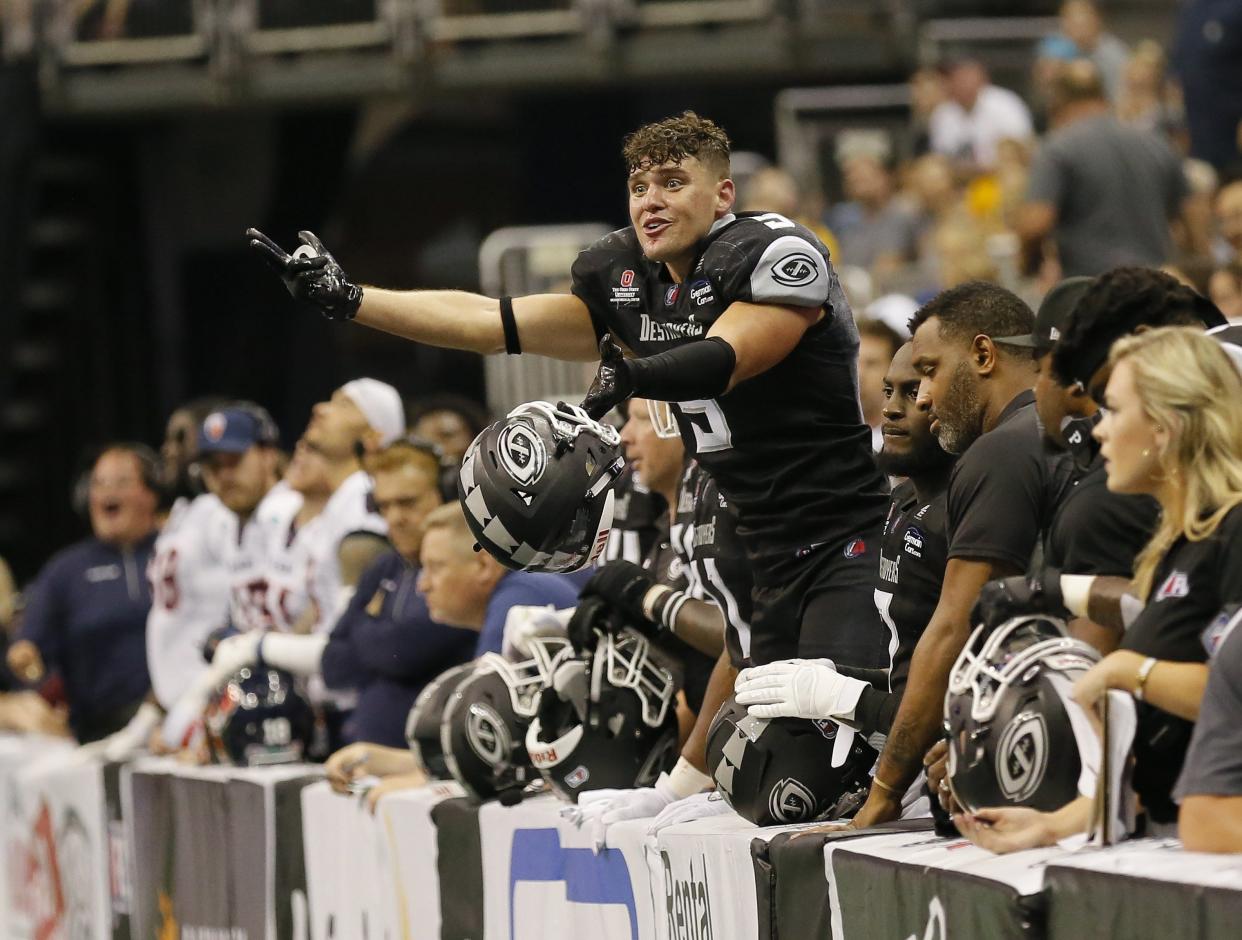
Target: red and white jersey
{"points": [[349, 510], [260, 598], [190, 576]]}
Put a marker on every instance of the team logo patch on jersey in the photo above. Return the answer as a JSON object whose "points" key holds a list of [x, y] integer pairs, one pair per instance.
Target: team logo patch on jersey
{"points": [[670, 295], [795, 270], [826, 726], [1175, 585], [215, 425], [855, 548], [522, 454], [1219, 629]]}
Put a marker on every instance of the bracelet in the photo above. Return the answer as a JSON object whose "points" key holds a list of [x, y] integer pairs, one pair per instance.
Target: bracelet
{"points": [[887, 788], [1140, 682]]}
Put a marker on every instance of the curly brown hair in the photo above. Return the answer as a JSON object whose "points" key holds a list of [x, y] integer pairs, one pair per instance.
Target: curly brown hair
{"points": [[674, 139]]}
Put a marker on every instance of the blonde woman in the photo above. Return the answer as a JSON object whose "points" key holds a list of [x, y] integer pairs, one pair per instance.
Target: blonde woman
{"points": [[1173, 430]]}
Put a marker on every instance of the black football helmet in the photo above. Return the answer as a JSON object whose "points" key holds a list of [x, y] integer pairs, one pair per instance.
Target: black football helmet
{"points": [[259, 717], [786, 770], [422, 725], [1011, 742], [483, 734], [537, 487], [609, 719]]}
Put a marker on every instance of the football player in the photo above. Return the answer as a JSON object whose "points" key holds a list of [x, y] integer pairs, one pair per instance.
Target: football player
{"points": [[740, 320], [913, 555]]}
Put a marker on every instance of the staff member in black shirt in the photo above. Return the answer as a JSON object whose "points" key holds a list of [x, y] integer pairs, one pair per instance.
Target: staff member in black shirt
{"points": [[1001, 494], [1173, 430]]}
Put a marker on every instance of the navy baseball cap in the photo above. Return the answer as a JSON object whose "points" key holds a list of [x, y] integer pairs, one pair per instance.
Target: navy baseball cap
{"points": [[235, 430]]}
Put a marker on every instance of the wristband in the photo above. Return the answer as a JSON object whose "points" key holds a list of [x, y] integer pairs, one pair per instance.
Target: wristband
{"points": [[1140, 681], [686, 780], [1076, 592], [662, 605], [513, 345], [886, 788]]}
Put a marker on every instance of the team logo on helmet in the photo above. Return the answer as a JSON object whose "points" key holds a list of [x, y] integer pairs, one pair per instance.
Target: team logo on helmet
{"points": [[214, 426], [522, 454], [795, 270], [791, 801], [487, 734], [1022, 756]]}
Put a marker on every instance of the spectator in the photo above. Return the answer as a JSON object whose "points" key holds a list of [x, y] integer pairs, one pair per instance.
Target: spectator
{"points": [[1082, 36], [1104, 191], [451, 422], [179, 452], [470, 589], [1229, 220], [1144, 100], [1195, 232], [1225, 290], [927, 92], [1207, 56], [976, 117], [1173, 430], [86, 615], [874, 231], [877, 344]]}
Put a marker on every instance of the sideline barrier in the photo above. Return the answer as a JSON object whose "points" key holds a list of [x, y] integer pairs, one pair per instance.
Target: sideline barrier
{"points": [[373, 876], [924, 885], [1148, 888], [216, 851], [224, 854]]}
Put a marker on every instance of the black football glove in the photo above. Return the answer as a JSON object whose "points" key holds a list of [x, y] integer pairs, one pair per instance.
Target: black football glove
{"points": [[1018, 596], [592, 618], [612, 384], [311, 275], [622, 584]]}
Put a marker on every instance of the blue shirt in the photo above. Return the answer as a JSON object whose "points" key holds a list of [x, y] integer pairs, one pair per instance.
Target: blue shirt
{"points": [[87, 614], [387, 647], [522, 588]]}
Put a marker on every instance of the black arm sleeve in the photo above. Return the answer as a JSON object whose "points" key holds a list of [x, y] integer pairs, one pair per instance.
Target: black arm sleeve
{"points": [[701, 369], [876, 710]]}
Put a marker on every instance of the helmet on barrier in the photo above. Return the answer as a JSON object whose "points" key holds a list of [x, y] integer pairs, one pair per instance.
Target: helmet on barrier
{"points": [[259, 717], [785, 770], [422, 726], [483, 733], [1007, 713], [608, 719], [537, 487]]}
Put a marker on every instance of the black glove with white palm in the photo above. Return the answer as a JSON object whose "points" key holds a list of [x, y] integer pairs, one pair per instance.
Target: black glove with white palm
{"points": [[311, 275]]}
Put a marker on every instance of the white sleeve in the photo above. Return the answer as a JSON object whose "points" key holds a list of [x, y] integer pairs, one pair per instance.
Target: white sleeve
{"points": [[791, 271]]}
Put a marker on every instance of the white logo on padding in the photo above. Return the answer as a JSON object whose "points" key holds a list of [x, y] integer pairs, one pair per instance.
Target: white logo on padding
{"points": [[795, 270], [522, 454], [791, 801], [1022, 757]]}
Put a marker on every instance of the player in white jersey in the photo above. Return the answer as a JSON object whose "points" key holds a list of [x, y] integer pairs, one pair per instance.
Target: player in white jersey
{"points": [[189, 574]]}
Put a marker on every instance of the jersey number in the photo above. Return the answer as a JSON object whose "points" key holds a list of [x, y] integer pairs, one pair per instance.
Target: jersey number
{"points": [[164, 580], [774, 220], [711, 430]]}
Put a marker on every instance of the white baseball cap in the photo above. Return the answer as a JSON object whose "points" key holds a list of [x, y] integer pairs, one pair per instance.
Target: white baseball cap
{"points": [[380, 405]]}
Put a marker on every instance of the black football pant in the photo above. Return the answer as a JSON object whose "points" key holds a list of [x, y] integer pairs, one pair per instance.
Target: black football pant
{"points": [[822, 606]]}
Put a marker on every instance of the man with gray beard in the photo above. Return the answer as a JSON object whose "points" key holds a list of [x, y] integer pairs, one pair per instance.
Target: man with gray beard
{"points": [[1002, 493]]}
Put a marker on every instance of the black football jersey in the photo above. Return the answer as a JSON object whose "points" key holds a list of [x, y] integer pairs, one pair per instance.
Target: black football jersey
{"points": [[788, 448], [913, 555], [664, 564], [636, 516], [704, 535]]}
